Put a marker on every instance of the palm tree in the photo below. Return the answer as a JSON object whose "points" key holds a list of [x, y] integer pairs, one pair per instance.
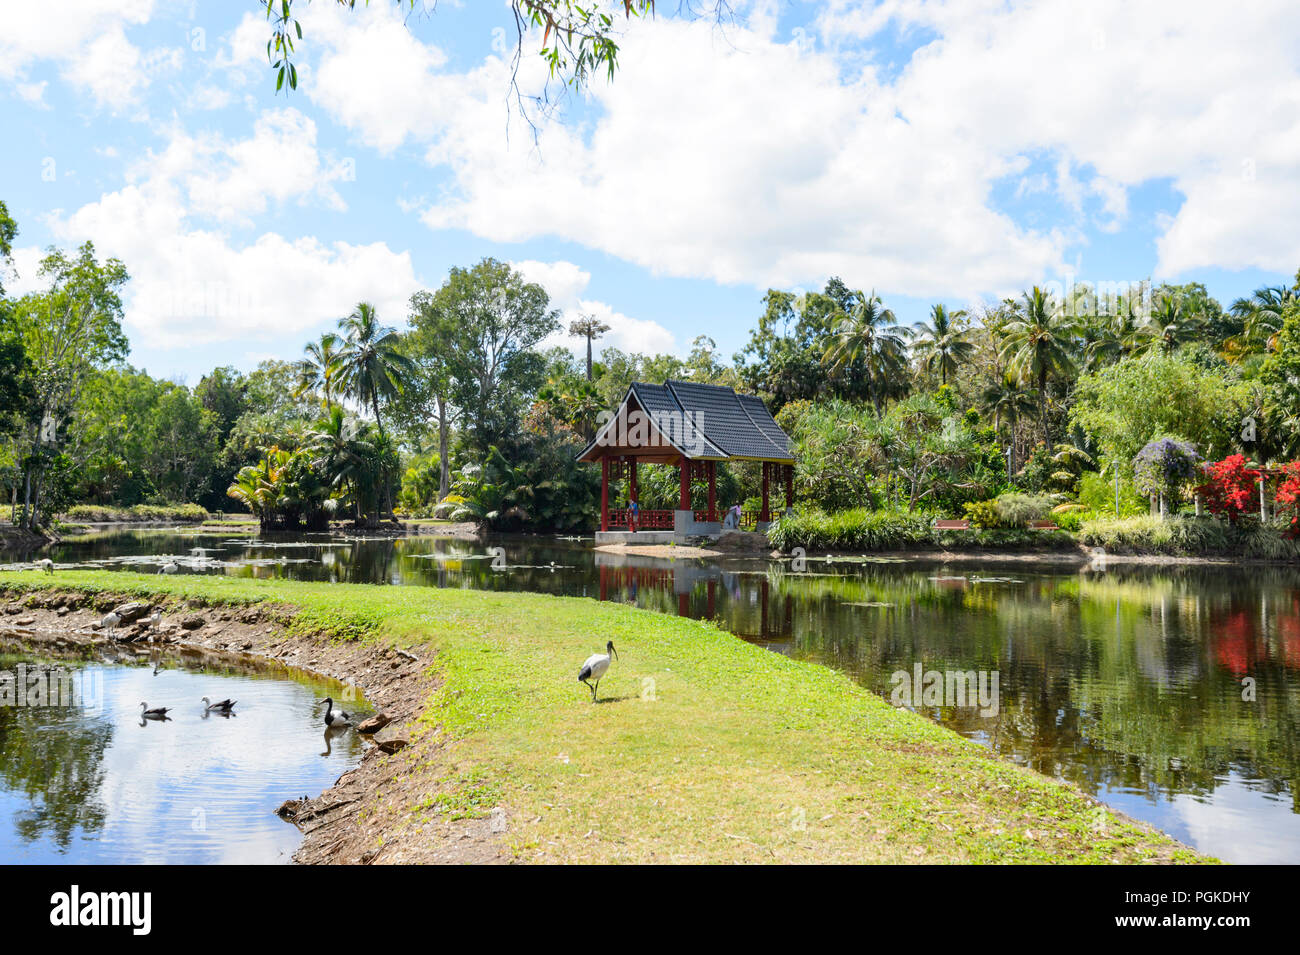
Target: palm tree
{"points": [[319, 370], [341, 451], [1108, 338], [942, 343], [371, 364], [1264, 312], [868, 334], [1037, 345], [1172, 323], [1007, 400], [588, 327]]}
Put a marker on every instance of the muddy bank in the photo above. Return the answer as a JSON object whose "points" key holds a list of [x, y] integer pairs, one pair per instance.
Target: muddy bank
{"points": [[371, 814], [19, 539]]}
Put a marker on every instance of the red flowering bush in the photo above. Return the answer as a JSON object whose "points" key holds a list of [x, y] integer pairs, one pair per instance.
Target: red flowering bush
{"points": [[1287, 498], [1231, 487]]}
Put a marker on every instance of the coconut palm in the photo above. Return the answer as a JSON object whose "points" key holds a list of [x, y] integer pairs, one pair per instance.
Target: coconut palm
{"points": [[1172, 323], [319, 370], [371, 363], [868, 336], [1037, 344], [1108, 338], [341, 450], [942, 342], [1263, 313], [1007, 400]]}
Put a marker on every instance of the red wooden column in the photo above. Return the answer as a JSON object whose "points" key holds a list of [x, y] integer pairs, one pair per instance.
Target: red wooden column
{"points": [[632, 490], [604, 494], [789, 485], [685, 503], [713, 474], [765, 514]]}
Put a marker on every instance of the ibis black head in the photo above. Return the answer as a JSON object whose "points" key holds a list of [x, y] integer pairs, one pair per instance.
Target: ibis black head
{"points": [[610, 648]]}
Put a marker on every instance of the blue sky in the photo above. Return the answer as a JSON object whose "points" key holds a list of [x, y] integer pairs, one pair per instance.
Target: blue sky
{"points": [[929, 150]]}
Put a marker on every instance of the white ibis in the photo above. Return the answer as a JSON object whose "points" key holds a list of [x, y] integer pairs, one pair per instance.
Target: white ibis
{"points": [[154, 621], [46, 565], [109, 621], [594, 667], [171, 567], [158, 713], [334, 720], [221, 706]]}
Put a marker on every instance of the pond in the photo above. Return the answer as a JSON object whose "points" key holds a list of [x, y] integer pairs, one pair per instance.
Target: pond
{"points": [[1171, 693], [84, 779]]}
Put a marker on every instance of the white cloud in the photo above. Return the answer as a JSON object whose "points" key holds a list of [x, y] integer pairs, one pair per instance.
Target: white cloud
{"points": [[87, 40], [759, 161], [564, 283], [193, 284]]}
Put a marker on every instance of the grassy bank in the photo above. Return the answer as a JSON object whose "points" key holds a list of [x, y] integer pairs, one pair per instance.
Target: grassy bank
{"points": [[99, 514], [1191, 537], [862, 529], [704, 748]]}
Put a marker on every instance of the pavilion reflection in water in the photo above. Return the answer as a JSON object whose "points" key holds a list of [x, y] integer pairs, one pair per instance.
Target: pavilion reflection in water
{"points": [[753, 606]]}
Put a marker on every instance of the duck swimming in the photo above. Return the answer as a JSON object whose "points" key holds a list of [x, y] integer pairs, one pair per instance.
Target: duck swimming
{"points": [[221, 706], [158, 713], [332, 719]]}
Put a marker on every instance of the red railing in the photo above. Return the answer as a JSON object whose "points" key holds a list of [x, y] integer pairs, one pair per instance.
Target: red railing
{"points": [[620, 518]]}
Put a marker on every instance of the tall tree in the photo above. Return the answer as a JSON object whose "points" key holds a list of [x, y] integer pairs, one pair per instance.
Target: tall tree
{"points": [[1264, 312], [320, 369], [588, 327], [371, 363], [868, 334], [942, 342], [434, 344], [68, 330], [500, 318], [1037, 345]]}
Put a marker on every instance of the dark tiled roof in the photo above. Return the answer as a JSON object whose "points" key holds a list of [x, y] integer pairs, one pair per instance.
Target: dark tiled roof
{"points": [[659, 400], [729, 423], [706, 421]]}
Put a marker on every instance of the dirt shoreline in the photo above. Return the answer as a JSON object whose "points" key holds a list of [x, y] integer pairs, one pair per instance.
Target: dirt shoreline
{"points": [[367, 816]]}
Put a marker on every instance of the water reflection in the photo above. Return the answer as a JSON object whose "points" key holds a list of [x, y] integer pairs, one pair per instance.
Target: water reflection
{"points": [[1171, 692], [93, 782]]}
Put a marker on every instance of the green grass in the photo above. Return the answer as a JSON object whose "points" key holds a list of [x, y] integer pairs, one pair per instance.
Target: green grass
{"points": [[99, 514], [864, 530], [703, 748]]}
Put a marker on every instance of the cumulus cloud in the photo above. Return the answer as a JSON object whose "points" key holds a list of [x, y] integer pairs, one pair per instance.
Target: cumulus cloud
{"points": [[767, 160], [193, 283], [565, 283], [87, 40]]}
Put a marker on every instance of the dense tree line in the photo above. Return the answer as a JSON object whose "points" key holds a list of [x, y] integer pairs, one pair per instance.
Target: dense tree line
{"points": [[464, 412]]}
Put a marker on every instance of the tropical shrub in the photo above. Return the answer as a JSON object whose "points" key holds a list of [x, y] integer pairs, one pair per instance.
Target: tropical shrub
{"points": [[180, 513], [983, 514], [1097, 494], [863, 531], [1287, 498], [1165, 466], [1230, 487], [1020, 510], [1191, 536]]}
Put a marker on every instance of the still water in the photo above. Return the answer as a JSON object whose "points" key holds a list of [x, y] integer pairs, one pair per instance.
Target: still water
{"points": [[83, 779], [1172, 693]]}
